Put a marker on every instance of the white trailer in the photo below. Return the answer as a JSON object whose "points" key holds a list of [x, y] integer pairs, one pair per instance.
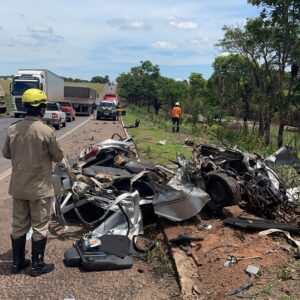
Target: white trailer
{"points": [[42, 79]]}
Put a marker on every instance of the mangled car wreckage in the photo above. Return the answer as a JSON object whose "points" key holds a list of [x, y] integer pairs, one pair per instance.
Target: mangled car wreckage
{"points": [[107, 188]]}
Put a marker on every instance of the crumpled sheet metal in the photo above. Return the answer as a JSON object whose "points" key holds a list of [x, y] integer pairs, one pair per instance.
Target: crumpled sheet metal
{"points": [[179, 200], [293, 194], [285, 233], [117, 224], [283, 156]]}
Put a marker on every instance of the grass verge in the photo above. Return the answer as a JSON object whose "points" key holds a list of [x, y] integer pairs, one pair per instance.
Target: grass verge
{"points": [[153, 130]]}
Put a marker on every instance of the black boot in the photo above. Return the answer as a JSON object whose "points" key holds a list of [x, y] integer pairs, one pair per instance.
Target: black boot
{"points": [[38, 266], [19, 260]]}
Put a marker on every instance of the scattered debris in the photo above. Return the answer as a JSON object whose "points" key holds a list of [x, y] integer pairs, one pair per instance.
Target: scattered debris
{"points": [[109, 190], [191, 252], [163, 142], [253, 270], [258, 224], [185, 239], [287, 235], [232, 260], [204, 227], [135, 125], [242, 288], [189, 142]]}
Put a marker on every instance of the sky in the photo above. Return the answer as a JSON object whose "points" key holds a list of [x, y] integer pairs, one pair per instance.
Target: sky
{"points": [[82, 39]]}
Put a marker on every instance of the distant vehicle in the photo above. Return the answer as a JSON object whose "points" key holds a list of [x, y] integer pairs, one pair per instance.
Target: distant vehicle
{"points": [[55, 116], [106, 110], [111, 97], [51, 84], [2, 101], [121, 109], [81, 97], [69, 110]]}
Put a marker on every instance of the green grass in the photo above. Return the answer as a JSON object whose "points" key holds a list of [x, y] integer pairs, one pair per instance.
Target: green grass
{"points": [[266, 290], [149, 133], [159, 259], [290, 138], [286, 273]]}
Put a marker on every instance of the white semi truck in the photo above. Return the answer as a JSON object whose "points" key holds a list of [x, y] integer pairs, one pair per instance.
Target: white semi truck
{"points": [[42, 79]]}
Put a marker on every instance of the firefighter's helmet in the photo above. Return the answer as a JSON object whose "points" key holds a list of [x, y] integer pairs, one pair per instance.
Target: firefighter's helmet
{"points": [[34, 97]]}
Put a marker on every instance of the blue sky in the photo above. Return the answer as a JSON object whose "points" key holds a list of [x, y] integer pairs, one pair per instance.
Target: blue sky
{"points": [[94, 37]]}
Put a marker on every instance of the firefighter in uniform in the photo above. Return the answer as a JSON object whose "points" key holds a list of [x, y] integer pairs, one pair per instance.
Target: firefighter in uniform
{"points": [[32, 147], [176, 114]]}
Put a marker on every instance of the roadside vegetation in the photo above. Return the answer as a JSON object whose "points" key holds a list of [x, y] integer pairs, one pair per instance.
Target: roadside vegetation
{"points": [[252, 98], [148, 135]]}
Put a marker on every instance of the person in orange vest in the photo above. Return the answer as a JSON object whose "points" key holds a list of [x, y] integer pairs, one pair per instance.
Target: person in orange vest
{"points": [[176, 114]]}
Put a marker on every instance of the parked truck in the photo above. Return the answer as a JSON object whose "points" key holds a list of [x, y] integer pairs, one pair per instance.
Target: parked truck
{"points": [[42, 79], [82, 98]]}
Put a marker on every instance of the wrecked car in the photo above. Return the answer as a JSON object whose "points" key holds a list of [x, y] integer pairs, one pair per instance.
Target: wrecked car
{"points": [[88, 189], [229, 176]]}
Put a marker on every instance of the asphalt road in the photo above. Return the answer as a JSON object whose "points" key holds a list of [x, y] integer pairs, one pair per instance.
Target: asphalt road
{"points": [[5, 123]]}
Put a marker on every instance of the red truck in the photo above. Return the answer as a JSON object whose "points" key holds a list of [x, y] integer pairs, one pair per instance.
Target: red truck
{"points": [[110, 97]]}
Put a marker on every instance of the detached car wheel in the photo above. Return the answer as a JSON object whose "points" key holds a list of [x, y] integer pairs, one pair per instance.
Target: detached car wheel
{"points": [[223, 190]]}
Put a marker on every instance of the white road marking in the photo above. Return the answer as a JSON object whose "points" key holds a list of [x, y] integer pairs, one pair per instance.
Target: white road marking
{"points": [[7, 172]]}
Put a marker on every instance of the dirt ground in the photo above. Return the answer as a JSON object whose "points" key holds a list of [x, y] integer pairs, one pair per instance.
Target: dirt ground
{"points": [[140, 282], [212, 280]]}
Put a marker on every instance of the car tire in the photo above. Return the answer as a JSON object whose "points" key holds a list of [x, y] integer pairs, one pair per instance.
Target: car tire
{"points": [[224, 190], [17, 115], [69, 119], [73, 118], [64, 124], [57, 126]]}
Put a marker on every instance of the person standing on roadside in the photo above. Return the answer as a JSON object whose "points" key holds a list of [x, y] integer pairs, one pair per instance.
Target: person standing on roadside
{"points": [[32, 147], [176, 115]]}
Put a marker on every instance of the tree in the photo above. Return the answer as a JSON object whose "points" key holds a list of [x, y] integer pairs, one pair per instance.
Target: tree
{"points": [[100, 79], [140, 85], [171, 91], [197, 91], [271, 44], [233, 82], [283, 19]]}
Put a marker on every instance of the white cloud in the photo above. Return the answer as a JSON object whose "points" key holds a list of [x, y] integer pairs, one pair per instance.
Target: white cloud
{"points": [[37, 35], [180, 23], [124, 24], [163, 45], [40, 29], [199, 40], [25, 40], [84, 43]]}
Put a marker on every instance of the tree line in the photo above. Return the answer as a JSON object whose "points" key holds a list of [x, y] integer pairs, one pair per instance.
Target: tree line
{"points": [[95, 79], [258, 78]]}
